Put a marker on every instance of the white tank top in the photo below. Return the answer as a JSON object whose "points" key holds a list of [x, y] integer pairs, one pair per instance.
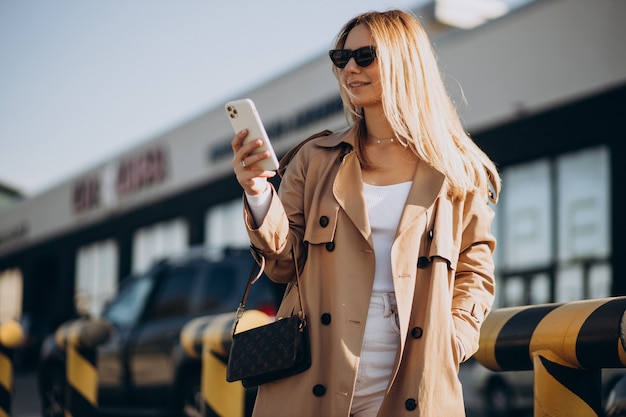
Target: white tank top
{"points": [[384, 208]]}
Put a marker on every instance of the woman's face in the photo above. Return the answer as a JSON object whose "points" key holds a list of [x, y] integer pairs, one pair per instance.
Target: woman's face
{"points": [[363, 84]]}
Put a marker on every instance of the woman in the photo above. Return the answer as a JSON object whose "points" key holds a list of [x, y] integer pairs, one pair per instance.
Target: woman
{"points": [[390, 223]]}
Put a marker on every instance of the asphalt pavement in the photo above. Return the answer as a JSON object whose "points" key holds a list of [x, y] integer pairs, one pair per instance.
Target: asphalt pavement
{"points": [[26, 401], [25, 397]]}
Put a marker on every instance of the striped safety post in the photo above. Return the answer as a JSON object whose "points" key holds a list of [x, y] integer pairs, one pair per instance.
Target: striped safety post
{"points": [[566, 345], [11, 336], [79, 339], [209, 339]]}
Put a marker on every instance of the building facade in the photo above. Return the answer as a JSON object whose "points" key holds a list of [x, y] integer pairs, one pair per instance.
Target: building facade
{"points": [[545, 87]]}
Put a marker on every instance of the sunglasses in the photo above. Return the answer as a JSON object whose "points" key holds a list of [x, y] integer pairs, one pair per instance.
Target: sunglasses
{"points": [[362, 56]]}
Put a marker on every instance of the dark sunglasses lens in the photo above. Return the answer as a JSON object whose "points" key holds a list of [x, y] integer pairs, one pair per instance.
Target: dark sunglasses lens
{"points": [[340, 57], [364, 57]]}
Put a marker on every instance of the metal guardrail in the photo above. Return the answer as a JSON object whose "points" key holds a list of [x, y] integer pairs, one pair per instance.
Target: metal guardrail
{"points": [[11, 336], [566, 345], [79, 339]]}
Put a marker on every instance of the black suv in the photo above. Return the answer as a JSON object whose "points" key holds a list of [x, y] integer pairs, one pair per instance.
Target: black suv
{"points": [[142, 368]]}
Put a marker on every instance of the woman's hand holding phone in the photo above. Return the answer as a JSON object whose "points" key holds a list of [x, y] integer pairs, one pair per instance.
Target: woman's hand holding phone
{"points": [[251, 177], [254, 158]]}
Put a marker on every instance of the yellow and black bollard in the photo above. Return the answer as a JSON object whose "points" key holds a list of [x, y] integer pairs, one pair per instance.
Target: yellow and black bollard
{"points": [[11, 336], [566, 345], [80, 338], [209, 338]]}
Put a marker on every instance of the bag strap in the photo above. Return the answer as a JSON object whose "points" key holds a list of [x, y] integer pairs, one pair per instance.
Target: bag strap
{"points": [[254, 277]]}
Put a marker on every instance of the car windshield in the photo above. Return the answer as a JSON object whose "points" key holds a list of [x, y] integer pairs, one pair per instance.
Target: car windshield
{"points": [[126, 308]]}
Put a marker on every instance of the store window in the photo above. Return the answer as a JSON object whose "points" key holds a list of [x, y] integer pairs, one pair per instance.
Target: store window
{"points": [[11, 292], [158, 241], [583, 208], [96, 276], [553, 229], [225, 227], [526, 209]]}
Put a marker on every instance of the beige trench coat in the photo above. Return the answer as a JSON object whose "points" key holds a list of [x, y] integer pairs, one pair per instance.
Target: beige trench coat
{"points": [[443, 276]]}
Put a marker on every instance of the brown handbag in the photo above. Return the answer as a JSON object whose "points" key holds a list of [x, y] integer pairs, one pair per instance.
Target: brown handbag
{"points": [[270, 352]]}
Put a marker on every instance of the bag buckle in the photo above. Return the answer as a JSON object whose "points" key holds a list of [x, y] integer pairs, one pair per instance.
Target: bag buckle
{"points": [[240, 310]]}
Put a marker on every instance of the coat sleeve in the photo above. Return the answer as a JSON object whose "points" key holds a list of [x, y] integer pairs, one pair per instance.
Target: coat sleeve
{"points": [[282, 229], [474, 284]]}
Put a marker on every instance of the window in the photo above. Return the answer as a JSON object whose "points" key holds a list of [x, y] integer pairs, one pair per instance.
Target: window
{"points": [[11, 294], [526, 208], [157, 241], [127, 307], [225, 226], [554, 229], [96, 276], [218, 287], [174, 292]]}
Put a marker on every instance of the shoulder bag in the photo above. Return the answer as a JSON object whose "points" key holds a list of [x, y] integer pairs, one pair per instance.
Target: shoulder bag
{"points": [[273, 351]]}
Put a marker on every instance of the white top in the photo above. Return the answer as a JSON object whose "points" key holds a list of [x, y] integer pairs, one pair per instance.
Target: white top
{"points": [[384, 208]]}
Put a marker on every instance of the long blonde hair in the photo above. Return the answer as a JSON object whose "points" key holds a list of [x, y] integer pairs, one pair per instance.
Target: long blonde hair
{"points": [[417, 105]]}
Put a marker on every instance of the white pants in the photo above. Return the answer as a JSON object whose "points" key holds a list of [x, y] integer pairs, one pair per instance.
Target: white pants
{"points": [[380, 344]]}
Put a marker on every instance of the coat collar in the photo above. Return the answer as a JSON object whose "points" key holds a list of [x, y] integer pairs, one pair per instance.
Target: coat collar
{"points": [[347, 189]]}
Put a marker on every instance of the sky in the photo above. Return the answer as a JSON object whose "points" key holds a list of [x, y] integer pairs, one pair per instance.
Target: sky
{"points": [[83, 81]]}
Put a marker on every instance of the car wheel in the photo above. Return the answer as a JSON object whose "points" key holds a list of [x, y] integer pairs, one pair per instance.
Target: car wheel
{"points": [[498, 399], [192, 402], [53, 392]]}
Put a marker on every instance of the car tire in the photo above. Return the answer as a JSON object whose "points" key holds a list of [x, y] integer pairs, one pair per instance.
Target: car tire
{"points": [[498, 399], [53, 387], [192, 402]]}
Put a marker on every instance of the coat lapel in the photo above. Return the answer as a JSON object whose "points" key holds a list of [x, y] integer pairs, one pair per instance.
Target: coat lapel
{"points": [[348, 191], [427, 184]]}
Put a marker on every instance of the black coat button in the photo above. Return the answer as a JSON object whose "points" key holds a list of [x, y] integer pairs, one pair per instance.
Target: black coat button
{"points": [[319, 390], [325, 319], [410, 404], [422, 262], [324, 221], [330, 246], [416, 332], [430, 234]]}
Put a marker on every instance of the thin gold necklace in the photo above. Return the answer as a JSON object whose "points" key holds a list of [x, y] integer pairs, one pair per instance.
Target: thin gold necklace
{"points": [[381, 140]]}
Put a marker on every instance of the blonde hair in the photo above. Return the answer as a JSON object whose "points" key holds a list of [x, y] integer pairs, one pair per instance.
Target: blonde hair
{"points": [[417, 105]]}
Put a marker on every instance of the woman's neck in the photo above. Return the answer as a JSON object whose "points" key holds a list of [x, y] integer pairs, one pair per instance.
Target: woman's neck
{"points": [[376, 124]]}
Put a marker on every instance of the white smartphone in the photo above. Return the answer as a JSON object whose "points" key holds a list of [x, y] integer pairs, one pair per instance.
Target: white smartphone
{"points": [[243, 115]]}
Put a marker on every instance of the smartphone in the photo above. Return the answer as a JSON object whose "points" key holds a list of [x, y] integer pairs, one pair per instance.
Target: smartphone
{"points": [[243, 115]]}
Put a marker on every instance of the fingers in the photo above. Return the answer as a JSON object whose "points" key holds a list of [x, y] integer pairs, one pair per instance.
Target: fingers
{"points": [[251, 178]]}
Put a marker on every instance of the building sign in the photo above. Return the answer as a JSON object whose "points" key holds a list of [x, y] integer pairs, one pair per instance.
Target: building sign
{"points": [[13, 233], [86, 194], [141, 171], [131, 175]]}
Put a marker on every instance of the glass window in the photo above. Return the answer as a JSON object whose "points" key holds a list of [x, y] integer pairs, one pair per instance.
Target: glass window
{"points": [[96, 276], [225, 226], [158, 241], [569, 284], [11, 289], [600, 280], [218, 287], [514, 291], [126, 308], [174, 292], [526, 207], [583, 208], [540, 289]]}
